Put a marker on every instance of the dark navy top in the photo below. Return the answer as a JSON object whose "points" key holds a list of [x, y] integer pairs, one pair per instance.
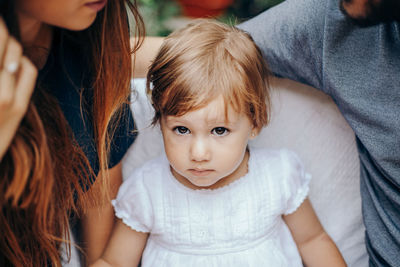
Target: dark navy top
{"points": [[66, 72]]}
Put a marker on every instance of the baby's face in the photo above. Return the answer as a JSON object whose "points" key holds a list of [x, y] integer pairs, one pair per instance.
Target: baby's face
{"points": [[205, 148]]}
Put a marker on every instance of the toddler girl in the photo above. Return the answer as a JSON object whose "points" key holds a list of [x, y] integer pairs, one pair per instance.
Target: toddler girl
{"points": [[212, 200]]}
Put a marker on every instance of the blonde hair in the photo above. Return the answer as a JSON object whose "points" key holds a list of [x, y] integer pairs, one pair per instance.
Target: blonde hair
{"points": [[204, 60]]}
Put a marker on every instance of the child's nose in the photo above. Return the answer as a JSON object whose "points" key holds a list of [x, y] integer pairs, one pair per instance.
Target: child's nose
{"points": [[199, 150]]}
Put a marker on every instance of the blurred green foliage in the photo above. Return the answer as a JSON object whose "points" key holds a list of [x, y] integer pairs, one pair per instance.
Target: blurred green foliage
{"points": [[157, 12]]}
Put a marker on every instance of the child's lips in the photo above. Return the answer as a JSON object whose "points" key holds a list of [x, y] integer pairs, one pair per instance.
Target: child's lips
{"points": [[201, 172]]}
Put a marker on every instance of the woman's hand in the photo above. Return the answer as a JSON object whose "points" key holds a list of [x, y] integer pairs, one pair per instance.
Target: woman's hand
{"points": [[17, 80]]}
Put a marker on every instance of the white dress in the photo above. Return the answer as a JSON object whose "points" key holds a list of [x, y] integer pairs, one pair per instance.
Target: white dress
{"points": [[236, 225]]}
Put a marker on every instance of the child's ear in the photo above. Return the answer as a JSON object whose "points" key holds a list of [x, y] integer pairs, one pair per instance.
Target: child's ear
{"points": [[254, 133]]}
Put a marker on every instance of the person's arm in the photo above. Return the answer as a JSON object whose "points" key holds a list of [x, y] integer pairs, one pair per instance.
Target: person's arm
{"points": [[17, 80], [125, 247], [315, 246], [144, 56], [98, 222], [291, 36]]}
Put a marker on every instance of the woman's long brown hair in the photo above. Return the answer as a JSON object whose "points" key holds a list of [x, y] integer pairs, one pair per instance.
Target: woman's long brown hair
{"points": [[44, 171]]}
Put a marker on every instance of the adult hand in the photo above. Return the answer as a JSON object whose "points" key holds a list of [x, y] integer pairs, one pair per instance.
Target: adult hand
{"points": [[17, 80]]}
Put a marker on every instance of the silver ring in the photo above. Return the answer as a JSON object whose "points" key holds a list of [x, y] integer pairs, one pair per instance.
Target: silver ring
{"points": [[12, 67]]}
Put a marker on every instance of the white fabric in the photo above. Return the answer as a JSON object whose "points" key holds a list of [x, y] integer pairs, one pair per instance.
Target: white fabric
{"points": [[309, 123], [70, 258], [236, 225]]}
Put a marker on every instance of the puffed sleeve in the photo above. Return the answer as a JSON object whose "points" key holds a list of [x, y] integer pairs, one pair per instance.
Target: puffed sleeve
{"points": [[295, 182], [132, 204]]}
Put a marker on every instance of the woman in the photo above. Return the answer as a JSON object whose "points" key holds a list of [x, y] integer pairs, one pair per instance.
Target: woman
{"points": [[75, 127]]}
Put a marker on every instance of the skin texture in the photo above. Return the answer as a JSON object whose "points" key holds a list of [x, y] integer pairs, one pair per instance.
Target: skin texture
{"points": [[145, 55], [97, 222], [204, 149], [36, 19], [355, 8], [367, 13], [72, 14], [15, 87]]}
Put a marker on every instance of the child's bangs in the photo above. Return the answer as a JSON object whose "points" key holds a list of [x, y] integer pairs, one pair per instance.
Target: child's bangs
{"points": [[199, 64], [197, 86], [233, 84]]}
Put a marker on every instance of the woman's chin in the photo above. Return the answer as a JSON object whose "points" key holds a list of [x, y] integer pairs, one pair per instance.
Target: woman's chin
{"points": [[79, 25]]}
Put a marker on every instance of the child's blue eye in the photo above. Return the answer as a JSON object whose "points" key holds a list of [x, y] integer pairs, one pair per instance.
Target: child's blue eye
{"points": [[220, 131], [181, 130]]}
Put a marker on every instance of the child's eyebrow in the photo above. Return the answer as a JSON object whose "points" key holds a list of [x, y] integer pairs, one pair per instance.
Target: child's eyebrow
{"points": [[174, 119], [211, 121], [220, 121]]}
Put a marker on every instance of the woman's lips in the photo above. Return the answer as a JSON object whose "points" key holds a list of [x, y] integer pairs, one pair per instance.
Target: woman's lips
{"points": [[97, 6]]}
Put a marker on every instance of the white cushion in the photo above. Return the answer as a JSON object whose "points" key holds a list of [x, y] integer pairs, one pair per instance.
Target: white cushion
{"points": [[309, 123]]}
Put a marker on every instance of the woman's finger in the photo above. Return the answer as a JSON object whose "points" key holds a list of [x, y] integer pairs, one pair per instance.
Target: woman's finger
{"points": [[8, 71], [12, 56], [3, 38], [25, 84]]}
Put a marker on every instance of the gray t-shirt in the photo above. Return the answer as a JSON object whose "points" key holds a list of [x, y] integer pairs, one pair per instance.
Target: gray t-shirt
{"points": [[311, 41]]}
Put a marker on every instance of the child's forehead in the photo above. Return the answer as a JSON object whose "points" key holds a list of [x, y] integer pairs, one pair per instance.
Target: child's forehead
{"points": [[216, 110]]}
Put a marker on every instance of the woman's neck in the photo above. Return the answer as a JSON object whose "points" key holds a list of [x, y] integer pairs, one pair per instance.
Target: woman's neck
{"points": [[36, 38]]}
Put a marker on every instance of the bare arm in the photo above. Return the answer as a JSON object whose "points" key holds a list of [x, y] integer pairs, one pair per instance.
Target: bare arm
{"points": [[315, 246], [144, 56], [98, 222], [124, 249]]}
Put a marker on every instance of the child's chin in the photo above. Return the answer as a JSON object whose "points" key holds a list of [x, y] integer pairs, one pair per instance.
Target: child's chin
{"points": [[204, 183]]}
